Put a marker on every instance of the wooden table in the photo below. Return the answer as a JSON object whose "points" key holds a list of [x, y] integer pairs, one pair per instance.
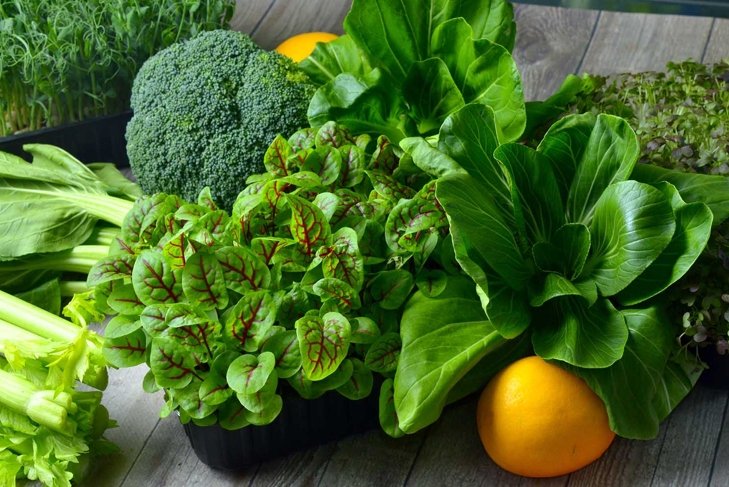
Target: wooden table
{"points": [[692, 448]]}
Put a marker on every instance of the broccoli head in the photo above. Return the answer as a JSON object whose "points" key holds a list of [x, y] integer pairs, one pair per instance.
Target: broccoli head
{"points": [[206, 109]]}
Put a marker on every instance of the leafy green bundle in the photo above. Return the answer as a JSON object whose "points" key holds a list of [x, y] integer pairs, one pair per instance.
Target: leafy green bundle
{"points": [[65, 61], [299, 288]]}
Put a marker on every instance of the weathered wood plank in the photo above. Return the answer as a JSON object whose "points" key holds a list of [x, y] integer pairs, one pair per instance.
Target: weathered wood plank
{"points": [[692, 434], [137, 414], [550, 43], [289, 17], [298, 469], [168, 459], [453, 455], [248, 13], [718, 46], [643, 42], [720, 468], [372, 459]]}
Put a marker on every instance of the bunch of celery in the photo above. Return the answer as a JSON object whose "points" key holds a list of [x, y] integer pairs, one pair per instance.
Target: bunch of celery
{"points": [[57, 218]]}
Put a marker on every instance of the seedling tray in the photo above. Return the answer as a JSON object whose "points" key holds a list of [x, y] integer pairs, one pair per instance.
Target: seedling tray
{"points": [[302, 424], [95, 140]]}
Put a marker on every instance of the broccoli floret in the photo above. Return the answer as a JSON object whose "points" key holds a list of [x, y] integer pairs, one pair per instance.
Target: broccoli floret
{"points": [[205, 111]]}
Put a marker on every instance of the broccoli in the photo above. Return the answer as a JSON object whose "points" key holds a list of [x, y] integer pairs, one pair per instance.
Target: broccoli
{"points": [[206, 109]]}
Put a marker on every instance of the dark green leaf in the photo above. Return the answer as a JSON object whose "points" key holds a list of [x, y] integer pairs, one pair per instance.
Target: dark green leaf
{"points": [[549, 286], [390, 289], [388, 416], [330, 59], [431, 93], [364, 330], [431, 282], [359, 384], [566, 252], [383, 354], [353, 166]]}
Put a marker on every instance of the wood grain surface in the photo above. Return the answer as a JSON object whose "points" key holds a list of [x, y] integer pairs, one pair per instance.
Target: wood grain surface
{"points": [[692, 448]]}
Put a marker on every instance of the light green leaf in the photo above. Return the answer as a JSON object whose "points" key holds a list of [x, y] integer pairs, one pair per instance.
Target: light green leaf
{"points": [[249, 373], [324, 343]]}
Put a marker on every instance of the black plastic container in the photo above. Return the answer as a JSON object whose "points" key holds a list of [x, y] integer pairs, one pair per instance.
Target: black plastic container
{"points": [[302, 424], [98, 139], [717, 375]]}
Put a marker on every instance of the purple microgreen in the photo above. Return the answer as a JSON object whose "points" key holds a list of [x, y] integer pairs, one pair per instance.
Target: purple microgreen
{"points": [[342, 259], [308, 225], [339, 292], [431, 282], [111, 268], [126, 351], [383, 355], [249, 373], [353, 166], [388, 416], [324, 343], [276, 157], [285, 348], [121, 326], [124, 300], [247, 322], [172, 364], [243, 270], [390, 289], [154, 279], [384, 158], [203, 281], [326, 162], [360, 382], [364, 330], [231, 415], [388, 187]]}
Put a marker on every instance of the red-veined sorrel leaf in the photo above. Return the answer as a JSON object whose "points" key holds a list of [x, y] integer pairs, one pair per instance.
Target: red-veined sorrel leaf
{"points": [[327, 203], [293, 305], [258, 401], [292, 259], [267, 247], [273, 195], [184, 314], [409, 220], [364, 330], [274, 160], [190, 213], [111, 268], [302, 179], [352, 208], [384, 158], [383, 354], [332, 289], [171, 364], [214, 389], [121, 326], [359, 384], [326, 162], [353, 166], [390, 289], [247, 322], [154, 280], [189, 401], [211, 229], [303, 139], [309, 389], [431, 282], [126, 351], [231, 415], [243, 270], [324, 343], [332, 134], [176, 250], [149, 385], [195, 339], [342, 259], [248, 373], [153, 319], [203, 281], [388, 416], [272, 408], [124, 300], [141, 220], [388, 187], [205, 198], [308, 225], [285, 348]]}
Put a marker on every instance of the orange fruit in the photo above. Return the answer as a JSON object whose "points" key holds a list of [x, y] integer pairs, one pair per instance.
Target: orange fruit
{"points": [[299, 47], [538, 420]]}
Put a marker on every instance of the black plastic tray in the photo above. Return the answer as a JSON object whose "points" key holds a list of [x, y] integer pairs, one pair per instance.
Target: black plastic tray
{"points": [[98, 139], [302, 424]]}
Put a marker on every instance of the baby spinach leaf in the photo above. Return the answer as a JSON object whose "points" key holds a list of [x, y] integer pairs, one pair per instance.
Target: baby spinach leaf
{"points": [[203, 281], [324, 343], [249, 373]]}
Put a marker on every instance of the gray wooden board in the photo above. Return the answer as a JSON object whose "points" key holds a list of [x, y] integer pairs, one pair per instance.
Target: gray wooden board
{"points": [[550, 43], [553, 42], [642, 42], [718, 45]]}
